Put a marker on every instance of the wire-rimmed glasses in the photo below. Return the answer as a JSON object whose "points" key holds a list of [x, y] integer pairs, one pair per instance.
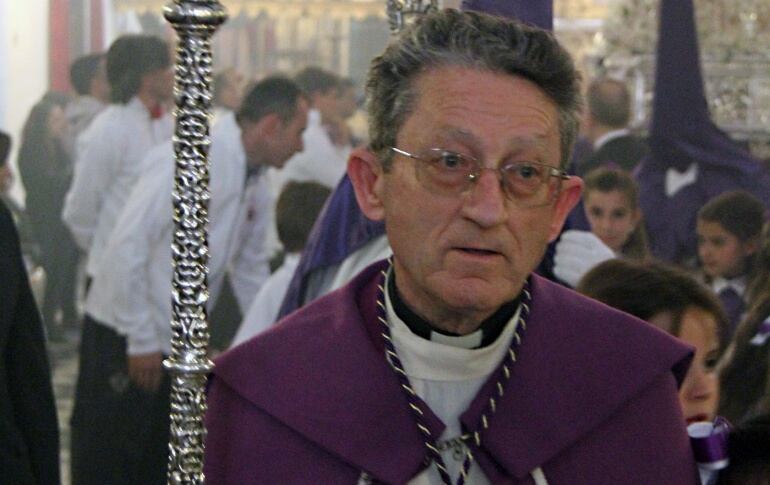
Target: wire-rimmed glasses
{"points": [[525, 183]]}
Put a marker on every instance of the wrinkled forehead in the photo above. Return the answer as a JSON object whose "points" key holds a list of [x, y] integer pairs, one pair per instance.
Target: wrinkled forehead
{"points": [[475, 107]]}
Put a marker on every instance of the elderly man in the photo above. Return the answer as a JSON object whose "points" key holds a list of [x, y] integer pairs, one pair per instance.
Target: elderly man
{"points": [[453, 362]]}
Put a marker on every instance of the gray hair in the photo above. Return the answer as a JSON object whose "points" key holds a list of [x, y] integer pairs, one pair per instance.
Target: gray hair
{"points": [[468, 39]]}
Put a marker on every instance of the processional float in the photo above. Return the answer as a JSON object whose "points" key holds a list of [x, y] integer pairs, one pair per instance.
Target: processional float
{"points": [[195, 22]]}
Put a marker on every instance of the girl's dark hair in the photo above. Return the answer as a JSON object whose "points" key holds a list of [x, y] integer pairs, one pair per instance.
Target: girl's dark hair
{"points": [[759, 283], [608, 179], [35, 135], [748, 447], [744, 377], [646, 289], [740, 213]]}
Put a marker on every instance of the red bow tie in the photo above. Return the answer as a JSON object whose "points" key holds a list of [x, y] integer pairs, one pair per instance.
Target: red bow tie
{"points": [[156, 111]]}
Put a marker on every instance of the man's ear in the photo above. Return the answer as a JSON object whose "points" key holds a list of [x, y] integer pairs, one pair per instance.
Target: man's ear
{"points": [[571, 189], [367, 176], [752, 245], [270, 124]]}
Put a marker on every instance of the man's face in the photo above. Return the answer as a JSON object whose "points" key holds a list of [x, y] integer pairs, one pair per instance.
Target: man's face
{"points": [[469, 253], [326, 103], [346, 102], [232, 94], [288, 138], [160, 83], [100, 88]]}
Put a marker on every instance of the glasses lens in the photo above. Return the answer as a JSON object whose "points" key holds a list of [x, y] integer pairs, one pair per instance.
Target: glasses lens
{"points": [[530, 184], [445, 172]]}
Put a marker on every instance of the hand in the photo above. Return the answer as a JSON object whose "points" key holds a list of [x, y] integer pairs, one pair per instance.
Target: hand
{"points": [[146, 370], [576, 253]]}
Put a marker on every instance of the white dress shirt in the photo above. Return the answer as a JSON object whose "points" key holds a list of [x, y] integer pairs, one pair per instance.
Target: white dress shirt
{"points": [[132, 294], [264, 310], [110, 153], [738, 284]]}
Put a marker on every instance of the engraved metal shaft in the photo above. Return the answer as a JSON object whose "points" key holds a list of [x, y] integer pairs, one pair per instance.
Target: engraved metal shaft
{"points": [[195, 22]]}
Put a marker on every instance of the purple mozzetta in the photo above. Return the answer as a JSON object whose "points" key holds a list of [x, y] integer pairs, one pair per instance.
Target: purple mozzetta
{"points": [[592, 399]]}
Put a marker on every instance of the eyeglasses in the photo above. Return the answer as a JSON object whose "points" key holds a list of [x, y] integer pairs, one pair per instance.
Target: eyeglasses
{"points": [[526, 184]]}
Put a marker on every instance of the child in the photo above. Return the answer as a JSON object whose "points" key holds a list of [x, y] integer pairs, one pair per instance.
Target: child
{"points": [[611, 202], [610, 206], [296, 210], [728, 229], [676, 303], [745, 372]]}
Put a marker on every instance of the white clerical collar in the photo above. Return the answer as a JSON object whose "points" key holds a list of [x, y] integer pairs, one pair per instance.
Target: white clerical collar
{"points": [[446, 359], [737, 284], [610, 135]]}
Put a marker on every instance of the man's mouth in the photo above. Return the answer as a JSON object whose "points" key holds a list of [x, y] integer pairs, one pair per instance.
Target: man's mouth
{"points": [[478, 251]]}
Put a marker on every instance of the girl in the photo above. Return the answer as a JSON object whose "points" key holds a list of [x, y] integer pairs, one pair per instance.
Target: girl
{"points": [[676, 303], [45, 170], [728, 230], [611, 206], [744, 374]]}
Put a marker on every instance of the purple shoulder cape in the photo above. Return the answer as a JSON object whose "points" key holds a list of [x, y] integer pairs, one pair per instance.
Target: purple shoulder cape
{"points": [[315, 396]]}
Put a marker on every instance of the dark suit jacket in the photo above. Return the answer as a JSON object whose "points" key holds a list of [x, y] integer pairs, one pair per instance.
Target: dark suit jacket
{"points": [[624, 152], [29, 435]]}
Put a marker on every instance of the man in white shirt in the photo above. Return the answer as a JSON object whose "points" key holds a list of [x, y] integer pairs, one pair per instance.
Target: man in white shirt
{"points": [[322, 161], [120, 422], [111, 150], [88, 76]]}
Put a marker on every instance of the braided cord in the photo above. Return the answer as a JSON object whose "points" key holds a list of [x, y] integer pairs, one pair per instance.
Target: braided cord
{"points": [[503, 371]]}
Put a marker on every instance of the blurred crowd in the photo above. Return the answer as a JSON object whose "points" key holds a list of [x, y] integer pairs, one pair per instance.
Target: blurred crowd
{"points": [[96, 229]]}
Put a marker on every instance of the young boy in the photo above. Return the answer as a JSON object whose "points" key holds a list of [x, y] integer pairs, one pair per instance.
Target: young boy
{"points": [[729, 228], [296, 210]]}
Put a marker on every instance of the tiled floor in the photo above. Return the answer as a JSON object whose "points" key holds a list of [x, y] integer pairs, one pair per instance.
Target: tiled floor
{"points": [[64, 362]]}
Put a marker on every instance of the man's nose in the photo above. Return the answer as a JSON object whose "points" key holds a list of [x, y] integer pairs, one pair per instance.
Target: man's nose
{"points": [[485, 203]]}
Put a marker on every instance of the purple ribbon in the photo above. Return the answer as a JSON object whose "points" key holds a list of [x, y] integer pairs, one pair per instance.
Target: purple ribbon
{"points": [[709, 442], [763, 334]]}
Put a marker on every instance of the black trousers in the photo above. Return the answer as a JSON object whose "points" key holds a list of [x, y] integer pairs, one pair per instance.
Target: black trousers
{"points": [[119, 432], [59, 257]]}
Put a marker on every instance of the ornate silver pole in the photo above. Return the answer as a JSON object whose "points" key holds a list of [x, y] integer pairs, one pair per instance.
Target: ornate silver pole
{"points": [[402, 12], [195, 21]]}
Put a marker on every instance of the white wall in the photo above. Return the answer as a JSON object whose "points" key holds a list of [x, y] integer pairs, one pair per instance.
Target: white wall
{"points": [[23, 66]]}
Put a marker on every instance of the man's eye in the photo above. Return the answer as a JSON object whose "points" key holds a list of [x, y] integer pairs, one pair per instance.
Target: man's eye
{"points": [[526, 171], [450, 160]]}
